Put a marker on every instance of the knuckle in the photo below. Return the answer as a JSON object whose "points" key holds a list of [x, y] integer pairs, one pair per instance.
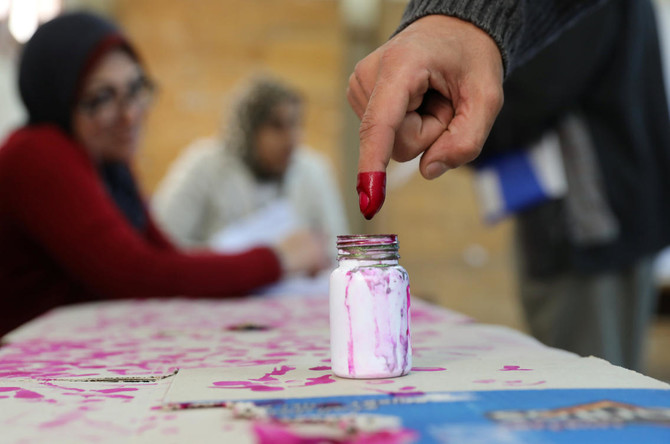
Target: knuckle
{"points": [[493, 96], [402, 152], [405, 148], [466, 150], [456, 153], [351, 84]]}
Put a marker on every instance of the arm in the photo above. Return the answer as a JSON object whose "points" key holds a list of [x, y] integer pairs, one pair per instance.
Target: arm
{"points": [[57, 198], [156, 236], [435, 88], [560, 79], [520, 28]]}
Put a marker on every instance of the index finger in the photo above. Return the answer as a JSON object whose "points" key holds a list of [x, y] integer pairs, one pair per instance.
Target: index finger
{"points": [[395, 91], [383, 116], [385, 112]]}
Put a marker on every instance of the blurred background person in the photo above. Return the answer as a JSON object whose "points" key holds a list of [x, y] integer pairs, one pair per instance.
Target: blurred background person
{"points": [[73, 224], [255, 182], [585, 253]]}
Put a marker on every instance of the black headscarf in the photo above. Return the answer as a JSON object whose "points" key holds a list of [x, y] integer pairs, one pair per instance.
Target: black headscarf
{"points": [[51, 70]]}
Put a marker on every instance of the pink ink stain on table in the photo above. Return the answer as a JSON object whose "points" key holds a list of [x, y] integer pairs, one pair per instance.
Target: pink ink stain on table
{"points": [[266, 378], [509, 368], [325, 379], [116, 390], [27, 394], [314, 348], [276, 372], [282, 371], [275, 432], [62, 420], [249, 363], [17, 374], [246, 385], [9, 389], [320, 368]]}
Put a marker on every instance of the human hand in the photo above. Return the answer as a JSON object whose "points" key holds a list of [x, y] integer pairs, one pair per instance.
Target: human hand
{"points": [[303, 252], [434, 88]]}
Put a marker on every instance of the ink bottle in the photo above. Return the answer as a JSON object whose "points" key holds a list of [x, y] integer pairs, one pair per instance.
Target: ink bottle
{"points": [[369, 309]]}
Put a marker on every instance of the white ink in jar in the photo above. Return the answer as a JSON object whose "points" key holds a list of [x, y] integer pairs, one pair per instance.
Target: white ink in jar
{"points": [[369, 309]]}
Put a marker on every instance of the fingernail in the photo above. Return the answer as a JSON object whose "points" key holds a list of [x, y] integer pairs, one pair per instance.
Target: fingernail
{"points": [[371, 187], [436, 169]]}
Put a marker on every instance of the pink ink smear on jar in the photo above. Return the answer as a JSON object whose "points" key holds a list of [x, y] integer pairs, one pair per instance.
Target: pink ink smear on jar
{"points": [[369, 309]]}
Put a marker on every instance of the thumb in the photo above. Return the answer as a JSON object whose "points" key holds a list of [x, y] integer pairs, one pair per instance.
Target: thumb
{"points": [[466, 133]]}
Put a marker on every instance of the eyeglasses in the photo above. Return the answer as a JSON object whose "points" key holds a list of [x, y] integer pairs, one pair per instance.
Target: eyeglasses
{"points": [[106, 103]]}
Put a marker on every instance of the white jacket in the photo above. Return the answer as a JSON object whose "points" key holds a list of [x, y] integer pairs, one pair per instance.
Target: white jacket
{"points": [[207, 189]]}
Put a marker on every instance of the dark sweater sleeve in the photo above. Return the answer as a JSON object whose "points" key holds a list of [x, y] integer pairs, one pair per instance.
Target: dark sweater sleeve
{"points": [[519, 27], [58, 200], [562, 78]]}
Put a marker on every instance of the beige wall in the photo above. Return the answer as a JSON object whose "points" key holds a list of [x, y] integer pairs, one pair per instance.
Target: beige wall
{"points": [[199, 49]]}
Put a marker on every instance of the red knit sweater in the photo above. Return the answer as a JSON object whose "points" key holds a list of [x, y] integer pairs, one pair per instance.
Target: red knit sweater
{"points": [[63, 240]]}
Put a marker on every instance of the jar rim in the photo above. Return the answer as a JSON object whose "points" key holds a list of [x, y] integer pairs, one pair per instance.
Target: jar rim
{"points": [[368, 246], [366, 239]]}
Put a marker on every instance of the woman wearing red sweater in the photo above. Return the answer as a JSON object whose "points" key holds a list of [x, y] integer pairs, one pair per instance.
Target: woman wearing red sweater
{"points": [[73, 226]]}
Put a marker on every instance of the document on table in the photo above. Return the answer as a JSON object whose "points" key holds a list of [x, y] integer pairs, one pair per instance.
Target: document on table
{"points": [[268, 226]]}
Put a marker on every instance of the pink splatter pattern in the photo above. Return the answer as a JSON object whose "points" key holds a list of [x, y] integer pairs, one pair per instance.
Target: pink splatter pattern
{"points": [[509, 368], [81, 363], [276, 372], [320, 368], [325, 379], [273, 432], [246, 385]]}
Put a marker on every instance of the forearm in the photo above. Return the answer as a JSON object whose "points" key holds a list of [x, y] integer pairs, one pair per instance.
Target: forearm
{"points": [[50, 190], [146, 273], [520, 28], [560, 79]]}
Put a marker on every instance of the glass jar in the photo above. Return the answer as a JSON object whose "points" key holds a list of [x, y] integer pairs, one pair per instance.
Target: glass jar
{"points": [[369, 309]]}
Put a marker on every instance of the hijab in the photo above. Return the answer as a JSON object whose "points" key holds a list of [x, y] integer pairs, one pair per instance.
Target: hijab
{"points": [[52, 68], [253, 107]]}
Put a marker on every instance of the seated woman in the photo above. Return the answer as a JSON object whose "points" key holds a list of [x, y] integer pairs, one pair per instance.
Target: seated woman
{"points": [[73, 226], [255, 182]]}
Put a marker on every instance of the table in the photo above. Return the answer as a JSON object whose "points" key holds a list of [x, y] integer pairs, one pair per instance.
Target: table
{"points": [[257, 370]]}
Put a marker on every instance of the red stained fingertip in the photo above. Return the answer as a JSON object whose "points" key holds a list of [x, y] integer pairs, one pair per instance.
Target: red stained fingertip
{"points": [[371, 187]]}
